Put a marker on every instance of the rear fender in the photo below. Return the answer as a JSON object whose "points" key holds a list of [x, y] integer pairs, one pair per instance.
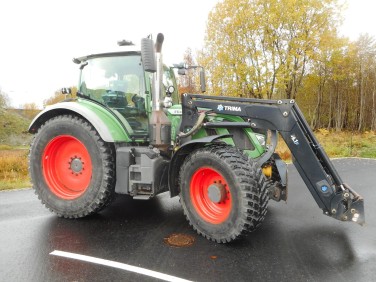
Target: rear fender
{"points": [[106, 123], [180, 155]]}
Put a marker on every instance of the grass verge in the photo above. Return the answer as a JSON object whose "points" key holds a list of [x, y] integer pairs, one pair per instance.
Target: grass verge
{"points": [[14, 169], [339, 144]]}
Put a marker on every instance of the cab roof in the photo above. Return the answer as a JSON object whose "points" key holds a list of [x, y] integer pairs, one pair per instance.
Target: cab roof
{"points": [[120, 51]]}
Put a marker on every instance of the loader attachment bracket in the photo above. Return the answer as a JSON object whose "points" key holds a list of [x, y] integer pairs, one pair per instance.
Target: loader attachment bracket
{"points": [[348, 206]]}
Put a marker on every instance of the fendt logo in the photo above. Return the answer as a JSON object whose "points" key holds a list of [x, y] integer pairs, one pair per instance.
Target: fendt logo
{"points": [[228, 108]]}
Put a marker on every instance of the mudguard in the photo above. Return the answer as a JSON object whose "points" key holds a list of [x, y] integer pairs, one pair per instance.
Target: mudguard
{"points": [[106, 123]]}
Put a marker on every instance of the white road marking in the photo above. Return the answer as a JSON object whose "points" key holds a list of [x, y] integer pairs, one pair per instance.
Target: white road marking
{"points": [[119, 265]]}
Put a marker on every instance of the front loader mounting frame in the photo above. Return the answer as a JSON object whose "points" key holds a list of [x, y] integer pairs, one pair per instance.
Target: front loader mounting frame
{"points": [[332, 195]]}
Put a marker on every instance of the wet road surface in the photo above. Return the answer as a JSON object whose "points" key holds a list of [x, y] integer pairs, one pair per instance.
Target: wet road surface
{"points": [[295, 243]]}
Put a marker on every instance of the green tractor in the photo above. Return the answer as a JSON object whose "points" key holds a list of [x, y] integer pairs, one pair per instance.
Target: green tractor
{"points": [[129, 132]]}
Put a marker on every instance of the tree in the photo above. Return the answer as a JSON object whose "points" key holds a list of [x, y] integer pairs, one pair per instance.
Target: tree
{"points": [[264, 48], [321, 87], [365, 81], [187, 82], [4, 99], [30, 110], [339, 91]]}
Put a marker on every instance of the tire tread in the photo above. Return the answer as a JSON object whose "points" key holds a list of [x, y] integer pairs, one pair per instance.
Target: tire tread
{"points": [[252, 185]]}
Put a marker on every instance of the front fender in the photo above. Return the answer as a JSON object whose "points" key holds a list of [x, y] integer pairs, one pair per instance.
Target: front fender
{"points": [[179, 157], [108, 126]]}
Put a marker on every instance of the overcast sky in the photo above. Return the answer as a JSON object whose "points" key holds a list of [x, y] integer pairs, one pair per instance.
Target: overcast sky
{"points": [[39, 38]]}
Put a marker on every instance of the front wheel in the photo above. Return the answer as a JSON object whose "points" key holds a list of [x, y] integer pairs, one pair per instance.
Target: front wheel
{"points": [[71, 168], [222, 192]]}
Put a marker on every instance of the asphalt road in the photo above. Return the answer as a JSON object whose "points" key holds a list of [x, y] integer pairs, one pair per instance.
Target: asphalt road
{"points": [[295, 243]]}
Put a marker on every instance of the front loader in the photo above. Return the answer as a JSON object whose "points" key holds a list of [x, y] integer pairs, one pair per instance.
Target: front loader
{"points": [[130, 132]]}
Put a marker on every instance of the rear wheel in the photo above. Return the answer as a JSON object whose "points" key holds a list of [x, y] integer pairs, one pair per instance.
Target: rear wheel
{"points": [[223, 193], [71, 168]]}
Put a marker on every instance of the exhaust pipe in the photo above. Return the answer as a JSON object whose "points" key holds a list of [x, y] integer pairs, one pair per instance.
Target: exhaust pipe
{"points": [[159, 124], [158, 75]]}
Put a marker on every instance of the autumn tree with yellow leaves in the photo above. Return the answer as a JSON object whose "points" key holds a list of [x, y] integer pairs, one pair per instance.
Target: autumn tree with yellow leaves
{"points": [[263, 48], [188, 82]]}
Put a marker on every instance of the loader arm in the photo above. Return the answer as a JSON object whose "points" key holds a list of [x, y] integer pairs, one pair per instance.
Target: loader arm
{"points": [[332, 195]]}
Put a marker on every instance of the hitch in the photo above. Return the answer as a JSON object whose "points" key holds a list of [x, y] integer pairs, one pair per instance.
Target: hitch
{"points": [[348, 205]]}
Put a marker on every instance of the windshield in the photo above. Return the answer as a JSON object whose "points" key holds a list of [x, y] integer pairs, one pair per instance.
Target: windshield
{"points": [[118, 82], [122, 74]]}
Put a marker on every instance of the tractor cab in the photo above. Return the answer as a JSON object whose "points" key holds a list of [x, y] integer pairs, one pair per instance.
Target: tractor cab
{"points": [[119, 82]]}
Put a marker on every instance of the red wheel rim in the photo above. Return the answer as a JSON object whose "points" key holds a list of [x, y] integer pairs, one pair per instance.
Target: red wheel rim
{"points": [[67, 167], [209, 210]]}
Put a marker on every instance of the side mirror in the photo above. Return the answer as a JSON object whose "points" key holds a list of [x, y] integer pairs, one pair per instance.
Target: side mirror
{"points": [[181, 66], [182, 72], [148, 55], [66, 90]]}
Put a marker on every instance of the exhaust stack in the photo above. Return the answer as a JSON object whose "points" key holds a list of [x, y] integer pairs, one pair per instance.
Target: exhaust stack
{"points": [[158, 75], [159, 124]]}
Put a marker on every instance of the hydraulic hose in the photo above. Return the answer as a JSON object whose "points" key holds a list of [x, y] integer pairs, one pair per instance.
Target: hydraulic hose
{"points": [[195, 128]]}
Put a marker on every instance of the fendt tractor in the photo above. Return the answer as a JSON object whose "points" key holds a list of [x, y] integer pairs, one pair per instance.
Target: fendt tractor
{"points": [[128, 131]]}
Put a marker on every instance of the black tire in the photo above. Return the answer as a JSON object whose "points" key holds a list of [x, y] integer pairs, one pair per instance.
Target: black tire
{"points": [[60, 151], [240, 187]]}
